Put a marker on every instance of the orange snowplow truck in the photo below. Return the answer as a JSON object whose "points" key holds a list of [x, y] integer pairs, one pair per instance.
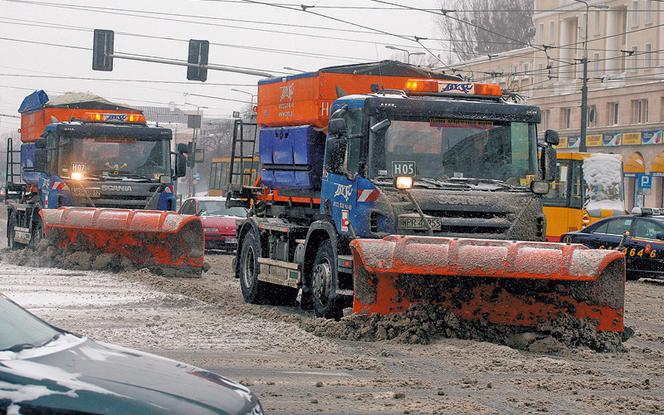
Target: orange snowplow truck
{"points": [[384, 185], [90, 174]]}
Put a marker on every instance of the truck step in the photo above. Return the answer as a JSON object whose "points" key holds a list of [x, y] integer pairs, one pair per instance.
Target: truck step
{"points": [[279, 272]]}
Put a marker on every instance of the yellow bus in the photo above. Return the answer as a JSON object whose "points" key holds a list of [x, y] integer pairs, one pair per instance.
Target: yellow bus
{"points": [[220, 169], [568, 207]]}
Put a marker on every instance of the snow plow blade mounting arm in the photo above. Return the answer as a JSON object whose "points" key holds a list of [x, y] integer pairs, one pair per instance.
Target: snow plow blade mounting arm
{"points": [[507, 283], [149, 238]]}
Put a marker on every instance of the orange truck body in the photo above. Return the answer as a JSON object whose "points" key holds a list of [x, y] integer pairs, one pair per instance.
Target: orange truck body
{"points": [[306, 99]]}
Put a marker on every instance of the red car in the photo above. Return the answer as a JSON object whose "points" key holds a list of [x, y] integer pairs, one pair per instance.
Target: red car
{"points": [[218, 221]]}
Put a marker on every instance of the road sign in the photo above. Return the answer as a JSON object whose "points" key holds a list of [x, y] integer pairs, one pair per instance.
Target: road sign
{"points": [[198, 55], [102, 50], [645, 181]]}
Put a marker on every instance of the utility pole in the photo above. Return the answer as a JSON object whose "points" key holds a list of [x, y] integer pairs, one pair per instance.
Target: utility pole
{"points": [[584, 89]]}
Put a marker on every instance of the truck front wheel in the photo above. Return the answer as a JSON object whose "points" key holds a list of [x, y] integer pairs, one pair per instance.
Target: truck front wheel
{"points": [[325, 282], [11, 232], [37, 232], [253, 290]]}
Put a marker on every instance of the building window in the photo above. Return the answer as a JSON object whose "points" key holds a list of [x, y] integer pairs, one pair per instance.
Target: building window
{"points": [[552, 33], [546, 119], [649, 8], [661, 109], [639, 111], [635, 13], [540, 35], [592, 115], [597, 23], [635, 58], [596, 63], [566, 117], [526, 72], [613, 113], [648, 56]]}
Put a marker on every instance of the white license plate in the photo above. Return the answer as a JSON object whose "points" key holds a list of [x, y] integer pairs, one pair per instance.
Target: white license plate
{"points": [[231, 241], [410, 222]]}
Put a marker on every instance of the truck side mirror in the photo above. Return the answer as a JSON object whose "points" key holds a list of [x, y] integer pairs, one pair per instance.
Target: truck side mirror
{"points": [[551, 137], [183, 148], [337, 126], [40, 155], [180, 165], [335, 154], [550, 159]]}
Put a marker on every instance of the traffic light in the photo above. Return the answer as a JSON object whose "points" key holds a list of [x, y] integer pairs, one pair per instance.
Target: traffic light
{"points": [[102, 50], [198, 55]]}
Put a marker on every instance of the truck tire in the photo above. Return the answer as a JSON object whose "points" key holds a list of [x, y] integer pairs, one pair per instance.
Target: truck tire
{"points": [[37, 232], [253, 290], [325, 282], [11, 232]]}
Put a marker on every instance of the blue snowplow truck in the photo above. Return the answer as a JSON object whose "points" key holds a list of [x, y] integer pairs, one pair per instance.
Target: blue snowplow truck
{"points": [[384, 185], [84, 151]]}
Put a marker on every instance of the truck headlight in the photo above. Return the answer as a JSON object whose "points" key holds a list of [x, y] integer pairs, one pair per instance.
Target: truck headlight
{"points": [[403, 182], [77, 175]]}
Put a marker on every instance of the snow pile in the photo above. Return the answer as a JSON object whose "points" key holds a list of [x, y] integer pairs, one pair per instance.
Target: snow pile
{"points": [[422, 324], [603, 176]]}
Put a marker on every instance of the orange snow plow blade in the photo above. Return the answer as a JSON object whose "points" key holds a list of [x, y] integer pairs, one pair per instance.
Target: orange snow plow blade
{"points": [[507, 283], [149, 238]]}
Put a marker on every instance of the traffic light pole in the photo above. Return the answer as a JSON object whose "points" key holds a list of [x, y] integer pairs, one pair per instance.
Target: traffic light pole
{"points": [[176, 62]]}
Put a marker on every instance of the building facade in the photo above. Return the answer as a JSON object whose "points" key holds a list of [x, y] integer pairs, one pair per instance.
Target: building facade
{"points": [[625, 82]]}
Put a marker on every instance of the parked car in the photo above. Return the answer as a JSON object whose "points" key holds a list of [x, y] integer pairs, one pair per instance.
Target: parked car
{"points": [[45, 370], [643, 248], [219, 222]]}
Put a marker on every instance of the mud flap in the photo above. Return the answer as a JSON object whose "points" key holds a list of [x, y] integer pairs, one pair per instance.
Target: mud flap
{"points": [[146, 237], [509, 283]]}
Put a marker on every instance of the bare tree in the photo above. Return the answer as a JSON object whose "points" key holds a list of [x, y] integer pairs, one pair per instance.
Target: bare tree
{"points": [[510, 18]]}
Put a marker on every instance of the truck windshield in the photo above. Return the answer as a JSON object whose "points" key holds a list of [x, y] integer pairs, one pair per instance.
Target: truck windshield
{"points": [[122, 157], [456, 149]]}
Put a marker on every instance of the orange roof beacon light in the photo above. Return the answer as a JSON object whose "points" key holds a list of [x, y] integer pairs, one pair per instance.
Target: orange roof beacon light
{"points": [[424, 86], [115, 117]]}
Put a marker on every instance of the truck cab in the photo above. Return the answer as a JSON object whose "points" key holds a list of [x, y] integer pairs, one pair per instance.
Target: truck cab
{"points": [[433, 164], [81, 150]]}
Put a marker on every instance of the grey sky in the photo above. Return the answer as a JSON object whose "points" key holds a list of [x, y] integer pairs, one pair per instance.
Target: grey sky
{"points": [[31, 59]]}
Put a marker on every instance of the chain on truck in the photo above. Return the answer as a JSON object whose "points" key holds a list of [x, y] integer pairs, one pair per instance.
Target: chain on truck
{"points": [[80, 150], [383, 185]]}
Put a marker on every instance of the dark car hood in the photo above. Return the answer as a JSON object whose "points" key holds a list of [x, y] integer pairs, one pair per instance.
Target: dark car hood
{"points": [[87, 376]]}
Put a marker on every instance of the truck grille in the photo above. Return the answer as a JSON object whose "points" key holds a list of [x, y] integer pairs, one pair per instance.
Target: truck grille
{"points": [[465, 222]]}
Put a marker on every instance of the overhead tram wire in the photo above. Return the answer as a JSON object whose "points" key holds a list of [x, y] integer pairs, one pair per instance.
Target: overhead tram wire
{"points": [[35, 23], [60, 45], [125, 13]]}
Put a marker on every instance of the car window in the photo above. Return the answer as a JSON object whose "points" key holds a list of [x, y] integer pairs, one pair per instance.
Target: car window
{"points": [[619, 226], [601, 228], [218, 208], [644, 228], [188, 207], [18, 327]]}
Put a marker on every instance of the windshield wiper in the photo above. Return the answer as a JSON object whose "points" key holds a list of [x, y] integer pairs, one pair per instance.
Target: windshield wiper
{"points": [[19, 347], [129, 175], [52, 339], [476, 181]]}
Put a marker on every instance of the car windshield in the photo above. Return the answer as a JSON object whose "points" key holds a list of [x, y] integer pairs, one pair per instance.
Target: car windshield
{"points": [[20, 329], [218, 208], [456, 149], [126, 157]]}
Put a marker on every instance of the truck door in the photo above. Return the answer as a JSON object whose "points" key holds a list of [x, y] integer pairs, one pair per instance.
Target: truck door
{"points": [[339, 188]]}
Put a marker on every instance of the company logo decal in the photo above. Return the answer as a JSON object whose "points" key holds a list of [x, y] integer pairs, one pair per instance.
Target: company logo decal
{"points": [[343, 191]]}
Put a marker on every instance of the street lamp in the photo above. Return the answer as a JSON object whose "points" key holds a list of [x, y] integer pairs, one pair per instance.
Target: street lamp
{"points": [[408, 53], [584, 88], [253, 96]]}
